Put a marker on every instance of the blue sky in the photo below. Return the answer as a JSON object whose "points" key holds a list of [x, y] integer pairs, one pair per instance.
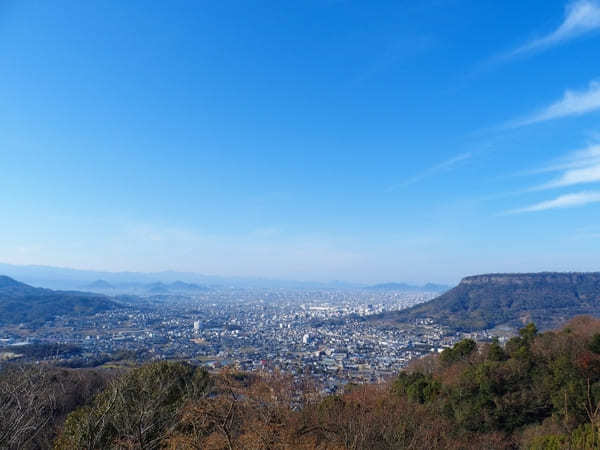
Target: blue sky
{"points": [[313, 140]]}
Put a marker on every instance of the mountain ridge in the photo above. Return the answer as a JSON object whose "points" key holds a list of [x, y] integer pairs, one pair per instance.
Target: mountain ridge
{"points": [[69, 278], [509, 299], [22, 303]]}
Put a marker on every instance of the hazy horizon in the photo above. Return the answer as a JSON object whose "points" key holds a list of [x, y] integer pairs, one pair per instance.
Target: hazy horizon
{"points": [[40, 273]]}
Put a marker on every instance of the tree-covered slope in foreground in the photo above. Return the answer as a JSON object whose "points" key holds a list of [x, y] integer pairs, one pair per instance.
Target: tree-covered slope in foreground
{"points": [[486, 301], [539, 391], [21, 303]]}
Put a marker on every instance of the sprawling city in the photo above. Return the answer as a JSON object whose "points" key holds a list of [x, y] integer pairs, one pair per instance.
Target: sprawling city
{"points": [[321, 333]]}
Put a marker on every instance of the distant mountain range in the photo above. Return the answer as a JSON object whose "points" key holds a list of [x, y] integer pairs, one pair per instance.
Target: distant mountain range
{"points": [[429, 287], [21, 303], [486, 301], [177, 287], [100, 285], [66, 278]]}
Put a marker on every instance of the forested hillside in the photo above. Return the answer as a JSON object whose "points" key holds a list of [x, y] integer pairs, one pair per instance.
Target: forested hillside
{"points": [[21, 303], [485, 301], [539, 391]]}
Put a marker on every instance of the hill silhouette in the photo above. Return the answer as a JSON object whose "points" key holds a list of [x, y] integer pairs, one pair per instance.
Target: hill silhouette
{"points": [[182, 286], [22, 303], [100, 284], [486, 301]]}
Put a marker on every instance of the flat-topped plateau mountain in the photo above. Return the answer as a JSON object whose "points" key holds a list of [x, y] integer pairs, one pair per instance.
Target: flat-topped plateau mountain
{"points": [[22, 303], [486, 301]]}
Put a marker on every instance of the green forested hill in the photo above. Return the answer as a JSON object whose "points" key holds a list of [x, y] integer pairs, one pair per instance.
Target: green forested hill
{"points": [[485, 301], [21, 303]]}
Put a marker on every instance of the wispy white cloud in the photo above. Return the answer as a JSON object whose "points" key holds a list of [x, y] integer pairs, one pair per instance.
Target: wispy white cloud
{"points": [[579, 167], [586, 157], [563, 201], [573, 103], [581, 17], [575, 176], [441, 167]]}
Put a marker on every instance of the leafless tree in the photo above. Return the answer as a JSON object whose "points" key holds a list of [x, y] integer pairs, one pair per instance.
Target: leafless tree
{"points": [[26, 405]]}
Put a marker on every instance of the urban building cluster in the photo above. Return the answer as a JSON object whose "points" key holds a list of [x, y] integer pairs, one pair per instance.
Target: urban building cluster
{"points": [[323, 333]]}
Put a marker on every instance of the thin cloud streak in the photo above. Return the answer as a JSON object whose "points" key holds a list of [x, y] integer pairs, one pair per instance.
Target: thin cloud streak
{"points": [[573, 103], [580, 167], [575, 176], [441, 167], [564, 201], [581, 17], [580, 158]]}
